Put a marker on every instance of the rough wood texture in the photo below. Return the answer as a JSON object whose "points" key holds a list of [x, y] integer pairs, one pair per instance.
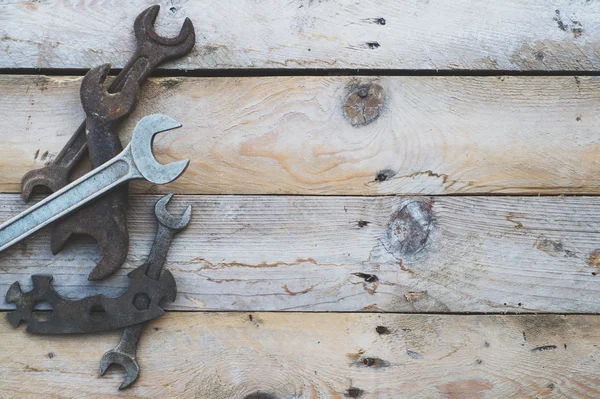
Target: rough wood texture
{"points": [[381, 34], [295, 135], [447, 254], [319, 356]]}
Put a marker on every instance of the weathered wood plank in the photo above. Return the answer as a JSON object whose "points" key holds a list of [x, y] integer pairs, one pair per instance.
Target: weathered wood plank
{"points": [[319, 356], [446, 254], [291, 135], [384, 34]]}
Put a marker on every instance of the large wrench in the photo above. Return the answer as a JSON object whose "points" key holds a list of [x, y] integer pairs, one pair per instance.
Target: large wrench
{"points": [[135, 162], [152, 50], [106, 218], [125, 352]]}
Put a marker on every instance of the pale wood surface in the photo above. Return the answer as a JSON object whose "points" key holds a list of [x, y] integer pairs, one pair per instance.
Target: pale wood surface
{"points": [[319, 356], [445, 34], [290, 135], [394, 254]]}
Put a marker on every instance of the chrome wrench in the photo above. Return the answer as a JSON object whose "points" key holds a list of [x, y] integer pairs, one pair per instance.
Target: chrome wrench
{"points": [[136, 161]]}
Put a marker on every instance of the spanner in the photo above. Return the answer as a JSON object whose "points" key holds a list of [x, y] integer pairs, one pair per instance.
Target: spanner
{"points": [[152, 50], [125, 352], [135, 162], [106, 218]]}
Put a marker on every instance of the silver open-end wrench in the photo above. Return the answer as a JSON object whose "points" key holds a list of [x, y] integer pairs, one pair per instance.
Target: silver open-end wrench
{"points": [[136, 161], [125, 352]]}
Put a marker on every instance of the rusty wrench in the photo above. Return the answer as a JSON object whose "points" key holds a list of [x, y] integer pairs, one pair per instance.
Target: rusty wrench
{"points": [[135, 162], [106, 218], [125, 352], [152, 50]]}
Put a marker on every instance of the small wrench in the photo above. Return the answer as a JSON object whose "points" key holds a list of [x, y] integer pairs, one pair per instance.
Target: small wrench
{"points": [[125, 352], [136, 161], [152, 50], [106, 218]]}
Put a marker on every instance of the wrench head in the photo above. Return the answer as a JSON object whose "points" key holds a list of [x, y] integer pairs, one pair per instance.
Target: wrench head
{"points": [[151, 44], [141, 150], [130, 364], [52, 176], [98, 103], [168, 220]]}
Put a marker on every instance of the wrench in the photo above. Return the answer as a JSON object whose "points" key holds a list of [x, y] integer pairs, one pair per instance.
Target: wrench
{"points": [[105, 219], [152, 50], [125, 352], [136, 161]]}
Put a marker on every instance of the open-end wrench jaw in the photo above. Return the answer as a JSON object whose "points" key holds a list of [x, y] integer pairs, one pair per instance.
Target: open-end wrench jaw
{"points": [[101, 105], [51, 176], [141, 150], [129, 363], [149, 40]]}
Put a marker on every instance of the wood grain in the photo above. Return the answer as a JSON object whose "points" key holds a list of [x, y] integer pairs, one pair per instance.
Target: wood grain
{"points": [[319, 356], [392, 254], [294, 135], [521, 35]]}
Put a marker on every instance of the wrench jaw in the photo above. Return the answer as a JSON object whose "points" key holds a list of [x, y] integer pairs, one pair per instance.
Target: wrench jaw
{"points": [[168, 220], [150, 42], [141, 150], [106, 222], [130, 364], [101, 105], [51, 176]]}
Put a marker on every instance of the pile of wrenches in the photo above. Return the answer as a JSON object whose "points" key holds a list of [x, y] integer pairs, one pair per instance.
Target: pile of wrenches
{"points": [[96, 205]]}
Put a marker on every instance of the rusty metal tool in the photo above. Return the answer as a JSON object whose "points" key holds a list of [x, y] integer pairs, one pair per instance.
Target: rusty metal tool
{"points": [[152, 50], [124, 353], [136, 161], [106, 219]]}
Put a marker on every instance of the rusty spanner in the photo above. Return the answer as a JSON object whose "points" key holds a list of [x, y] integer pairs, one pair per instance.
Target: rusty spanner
{"points": [[106, 222], [106, 218], [124, 353], [136, 161], [152, 50]]}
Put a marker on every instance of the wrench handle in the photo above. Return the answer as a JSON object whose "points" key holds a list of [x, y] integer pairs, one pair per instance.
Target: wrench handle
{"points": [[158, 253], [129, 340], [83, 190]]}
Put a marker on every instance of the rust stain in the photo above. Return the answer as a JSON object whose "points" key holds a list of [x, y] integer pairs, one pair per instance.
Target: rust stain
{"points": [[466, 389], [294, 293]]}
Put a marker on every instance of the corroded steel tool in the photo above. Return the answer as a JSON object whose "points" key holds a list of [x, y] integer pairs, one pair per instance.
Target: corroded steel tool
{"points": [[125, 352], [105, 220], [135, 162]]}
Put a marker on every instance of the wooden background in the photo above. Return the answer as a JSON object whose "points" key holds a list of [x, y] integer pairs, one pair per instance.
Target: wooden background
{"points": [[438, 239]]}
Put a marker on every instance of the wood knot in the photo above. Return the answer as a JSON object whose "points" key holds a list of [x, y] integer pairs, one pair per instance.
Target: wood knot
{"points": [[364, 103], [409, 228]]}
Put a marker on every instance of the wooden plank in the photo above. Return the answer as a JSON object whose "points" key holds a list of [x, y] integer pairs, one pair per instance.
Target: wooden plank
{"points": [[319, 356], [292, 135], [520, 35], [393, 254]]}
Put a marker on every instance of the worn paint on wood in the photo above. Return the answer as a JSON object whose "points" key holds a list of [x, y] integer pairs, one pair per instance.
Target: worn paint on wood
{"points": [[398, 254], [376, 34], [309, 135], [319, 356]]}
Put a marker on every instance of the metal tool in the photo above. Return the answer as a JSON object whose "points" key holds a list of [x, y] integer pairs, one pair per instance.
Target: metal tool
{"points": [[125, 352], [135, 162], [152, 50], [106, 218]]}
